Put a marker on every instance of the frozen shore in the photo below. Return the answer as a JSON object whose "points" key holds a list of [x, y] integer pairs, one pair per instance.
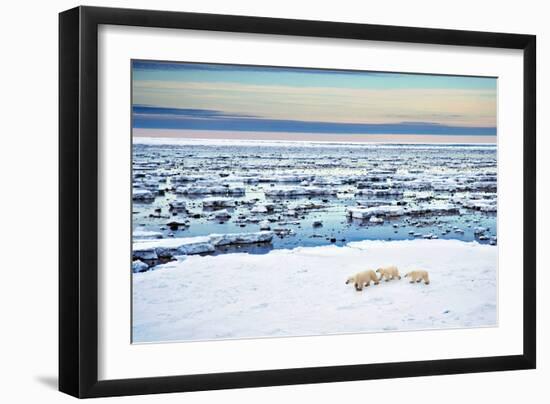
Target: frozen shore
{"points": [[302, 292]]}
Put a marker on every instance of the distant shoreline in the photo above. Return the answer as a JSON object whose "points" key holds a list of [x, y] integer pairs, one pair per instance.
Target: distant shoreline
{"points": [[313, 137]]}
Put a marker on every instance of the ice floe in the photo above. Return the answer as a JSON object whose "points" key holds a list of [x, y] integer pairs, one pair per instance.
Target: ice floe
{"points": [[142, 195], [151, 250], [139, 233], [299, 191], [218, 203], [210, 190]]}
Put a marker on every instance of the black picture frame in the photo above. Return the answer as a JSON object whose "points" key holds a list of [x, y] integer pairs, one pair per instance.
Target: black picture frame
{"points": [[78, 201]]}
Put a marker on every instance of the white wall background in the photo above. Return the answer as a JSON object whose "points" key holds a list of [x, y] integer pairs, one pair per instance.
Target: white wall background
{"points": [[28, 202]]}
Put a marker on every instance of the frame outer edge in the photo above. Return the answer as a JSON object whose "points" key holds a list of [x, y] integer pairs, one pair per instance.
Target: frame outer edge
{"points": [[88, 203], [530, 202], [69, 79]]}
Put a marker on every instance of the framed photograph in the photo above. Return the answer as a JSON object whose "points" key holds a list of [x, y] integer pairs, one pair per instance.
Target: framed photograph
{"points": [[251, 201]]}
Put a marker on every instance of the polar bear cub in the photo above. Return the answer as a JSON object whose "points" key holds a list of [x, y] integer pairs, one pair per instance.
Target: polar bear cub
{"points": [[364, 278], [417, 276], [388, 273]]}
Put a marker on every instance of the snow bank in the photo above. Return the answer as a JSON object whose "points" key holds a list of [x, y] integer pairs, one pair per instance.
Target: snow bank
{"points": [[302, 292]]}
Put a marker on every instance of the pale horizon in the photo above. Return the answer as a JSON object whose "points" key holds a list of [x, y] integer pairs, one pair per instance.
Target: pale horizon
{"points": [[312, 137]]}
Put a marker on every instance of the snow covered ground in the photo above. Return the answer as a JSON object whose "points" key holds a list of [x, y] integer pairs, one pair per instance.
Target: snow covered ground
{"points": [[303, 292]]}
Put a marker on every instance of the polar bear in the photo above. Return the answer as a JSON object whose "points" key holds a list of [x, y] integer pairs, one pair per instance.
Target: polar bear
{"points": [[388, 273], [417, 276], [363, 278]]}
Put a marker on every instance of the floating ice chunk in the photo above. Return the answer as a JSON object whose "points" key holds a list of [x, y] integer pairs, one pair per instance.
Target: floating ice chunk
{"points": [[146, 234], [432, 209], [384, 210], [424, 196], [483, 195], [375, 185], [282, 231], [259, 209], [241, 238], [418, 184], [299, 191], [210, 190], [485, 205], [327, 181], [142, 195], [144, 252], [186, 178], [371, 202], [222, 214], [484, 185], [151, 184], [375, 219], [448, 186], [139, 266], [480, 230], [198, 247], [380, 192], [309, 205], [218, 203], [196, 190], [281, 178], [377, 176], [152, 249], [178, 206], [288, 178]]}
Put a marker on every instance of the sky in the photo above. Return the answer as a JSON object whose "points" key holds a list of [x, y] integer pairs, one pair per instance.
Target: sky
{"points": [[215, 97]]}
